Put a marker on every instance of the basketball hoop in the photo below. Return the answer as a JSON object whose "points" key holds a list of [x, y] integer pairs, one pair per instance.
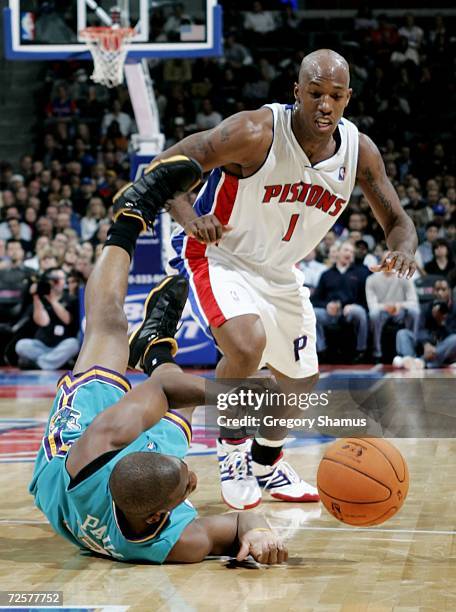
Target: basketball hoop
{"points": [[109, 48]]}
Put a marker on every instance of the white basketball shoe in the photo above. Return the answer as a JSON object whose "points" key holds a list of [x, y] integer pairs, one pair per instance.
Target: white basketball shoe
{"points": [[282, 482], [240, 489]]}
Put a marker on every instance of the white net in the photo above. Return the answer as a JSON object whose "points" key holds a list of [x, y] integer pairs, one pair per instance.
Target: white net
{"points": [[109, 48]]}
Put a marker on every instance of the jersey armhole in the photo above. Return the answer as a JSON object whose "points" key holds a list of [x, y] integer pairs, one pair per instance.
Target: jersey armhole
{"points": [[245, 178], [92, 467]]}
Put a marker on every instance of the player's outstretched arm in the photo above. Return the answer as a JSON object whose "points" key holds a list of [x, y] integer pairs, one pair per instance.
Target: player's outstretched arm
{"points": [[140, 409], [399, 230], [235, 534]]}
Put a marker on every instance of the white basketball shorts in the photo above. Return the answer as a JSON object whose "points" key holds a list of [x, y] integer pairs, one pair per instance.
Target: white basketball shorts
{"points": [[218, 293]]}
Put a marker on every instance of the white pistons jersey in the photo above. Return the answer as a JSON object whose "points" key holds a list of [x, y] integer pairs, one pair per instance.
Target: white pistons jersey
{"points": [[277, 215], [280, 213]]}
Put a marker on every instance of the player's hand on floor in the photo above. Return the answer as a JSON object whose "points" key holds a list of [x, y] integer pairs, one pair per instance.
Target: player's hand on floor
{"points": [[206, 229], [403, 264], [264, 546]]}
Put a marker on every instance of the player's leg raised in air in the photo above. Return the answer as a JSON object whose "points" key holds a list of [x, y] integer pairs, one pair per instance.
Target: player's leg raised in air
{"points": [[109, 475], [135, 209]]}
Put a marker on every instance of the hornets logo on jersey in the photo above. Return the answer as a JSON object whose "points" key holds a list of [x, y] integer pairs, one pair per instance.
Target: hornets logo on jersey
{"points": [[66, 417]]}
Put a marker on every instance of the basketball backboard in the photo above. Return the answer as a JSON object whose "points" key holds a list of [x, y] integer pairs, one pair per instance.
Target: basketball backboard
{"points": [[37, 30]]}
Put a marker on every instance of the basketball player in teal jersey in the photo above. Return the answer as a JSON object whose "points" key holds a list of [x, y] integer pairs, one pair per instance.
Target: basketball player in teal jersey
{"points": [[109, 475]]}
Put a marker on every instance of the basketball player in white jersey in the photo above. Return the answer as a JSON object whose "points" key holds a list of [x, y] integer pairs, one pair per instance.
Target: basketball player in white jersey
{"points": [[281, 176]]}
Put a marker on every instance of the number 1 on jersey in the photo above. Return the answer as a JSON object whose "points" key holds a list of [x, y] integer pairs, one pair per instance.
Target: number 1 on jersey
{"points": [[291, 227]]}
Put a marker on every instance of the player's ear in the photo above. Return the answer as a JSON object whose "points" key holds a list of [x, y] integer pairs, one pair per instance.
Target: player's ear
{"points": [[154, 518], [349, 95], [296, 91]]}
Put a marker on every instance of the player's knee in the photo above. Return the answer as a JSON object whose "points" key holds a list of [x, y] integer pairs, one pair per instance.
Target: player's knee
{"points": [[312, 380], [300, 385], [109, 319], [247, 353]]}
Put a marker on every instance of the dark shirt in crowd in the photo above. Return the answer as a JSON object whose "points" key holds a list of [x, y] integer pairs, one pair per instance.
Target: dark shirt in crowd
{"points": [[432, 268], [346, 288], [56, 331], [431, 330]]}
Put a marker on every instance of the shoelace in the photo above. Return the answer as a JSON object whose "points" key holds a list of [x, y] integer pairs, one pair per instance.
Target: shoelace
{"points": [[286, 470], [237, 464]]}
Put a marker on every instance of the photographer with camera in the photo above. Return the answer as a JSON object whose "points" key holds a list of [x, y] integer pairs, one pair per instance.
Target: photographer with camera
{"points": [[436, 337], [56, 316]]}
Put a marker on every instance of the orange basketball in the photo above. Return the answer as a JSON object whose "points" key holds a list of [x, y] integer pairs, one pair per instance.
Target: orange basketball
{"points": [[362, 481]]}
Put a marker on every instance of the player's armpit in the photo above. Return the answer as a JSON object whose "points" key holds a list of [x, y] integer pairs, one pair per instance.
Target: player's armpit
{"points": [[212, 535], [138, 410], [119, 425], [242, 139]]}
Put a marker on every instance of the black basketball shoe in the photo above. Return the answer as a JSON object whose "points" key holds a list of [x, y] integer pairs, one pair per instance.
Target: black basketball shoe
{"points": [[161, 181], [162, 311]]}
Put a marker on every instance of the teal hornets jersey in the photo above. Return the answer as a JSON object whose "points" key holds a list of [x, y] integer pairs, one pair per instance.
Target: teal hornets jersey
{"points": [[85, 514]]}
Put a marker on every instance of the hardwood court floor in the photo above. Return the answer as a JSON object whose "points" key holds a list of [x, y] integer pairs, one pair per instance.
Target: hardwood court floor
{"points": [[408, 564]]}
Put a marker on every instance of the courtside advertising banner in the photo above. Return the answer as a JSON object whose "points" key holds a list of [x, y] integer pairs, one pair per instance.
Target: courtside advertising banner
{"points": [[195, 348]]}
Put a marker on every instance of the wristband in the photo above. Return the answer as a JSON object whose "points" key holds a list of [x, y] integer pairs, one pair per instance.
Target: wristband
{"points": [[260, 529]]}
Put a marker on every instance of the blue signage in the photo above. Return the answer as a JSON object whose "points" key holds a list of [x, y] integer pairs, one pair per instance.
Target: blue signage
{"points": [[195, 348]]}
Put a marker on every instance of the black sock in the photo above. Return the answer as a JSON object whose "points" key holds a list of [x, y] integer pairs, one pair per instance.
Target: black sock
{"points": [[265, 455], [157, 355], [124, 233]]}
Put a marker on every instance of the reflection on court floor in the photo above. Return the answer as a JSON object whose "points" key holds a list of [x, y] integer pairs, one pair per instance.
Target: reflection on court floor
{"points": [[409, 563]]}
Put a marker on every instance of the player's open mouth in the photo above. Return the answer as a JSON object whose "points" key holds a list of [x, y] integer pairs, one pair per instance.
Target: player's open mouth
{"points": [[323, 124]]}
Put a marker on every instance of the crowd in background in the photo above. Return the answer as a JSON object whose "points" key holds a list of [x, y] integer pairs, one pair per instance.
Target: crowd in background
{"points": [[55, 203]]}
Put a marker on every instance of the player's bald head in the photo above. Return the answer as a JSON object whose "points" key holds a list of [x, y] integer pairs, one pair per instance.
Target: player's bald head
{"points": [[142, 483], [324, 64]]}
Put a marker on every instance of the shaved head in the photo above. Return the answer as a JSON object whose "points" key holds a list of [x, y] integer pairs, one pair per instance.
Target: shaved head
{"points": [[324, 64], [321, 95], [142, 483]]}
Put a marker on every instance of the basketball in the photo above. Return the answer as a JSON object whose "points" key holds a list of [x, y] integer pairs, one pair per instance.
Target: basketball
{"points": [[362, 481]]}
